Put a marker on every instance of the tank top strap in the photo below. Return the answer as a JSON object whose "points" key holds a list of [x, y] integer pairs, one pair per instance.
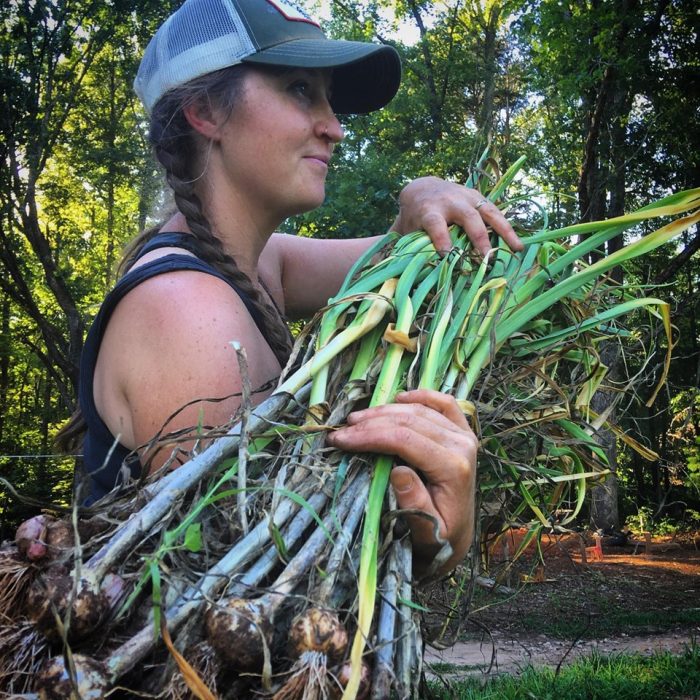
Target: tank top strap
{"points": [[171, 239], [103, 456]]}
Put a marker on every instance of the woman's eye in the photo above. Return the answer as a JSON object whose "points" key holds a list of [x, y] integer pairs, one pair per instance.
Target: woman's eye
{"points": [[302, 88]]}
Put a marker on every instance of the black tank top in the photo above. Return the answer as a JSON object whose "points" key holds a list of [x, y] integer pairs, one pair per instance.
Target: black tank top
{"points": [[107, 461]]}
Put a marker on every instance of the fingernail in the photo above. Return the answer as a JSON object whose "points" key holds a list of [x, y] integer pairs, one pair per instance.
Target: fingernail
{"points": [[402, 482]]}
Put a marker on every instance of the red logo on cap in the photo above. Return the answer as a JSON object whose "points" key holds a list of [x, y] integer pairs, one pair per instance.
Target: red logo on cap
{"points": [[292, 12]]}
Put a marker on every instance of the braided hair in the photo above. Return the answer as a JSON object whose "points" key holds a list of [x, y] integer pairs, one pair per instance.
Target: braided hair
{"points": [[175, 146]]}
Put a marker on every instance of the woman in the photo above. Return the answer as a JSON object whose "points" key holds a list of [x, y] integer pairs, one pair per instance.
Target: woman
{"points": [[242, 96]]}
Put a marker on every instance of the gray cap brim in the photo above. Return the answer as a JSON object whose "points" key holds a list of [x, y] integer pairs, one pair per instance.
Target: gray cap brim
{"points": [[365, 76]]}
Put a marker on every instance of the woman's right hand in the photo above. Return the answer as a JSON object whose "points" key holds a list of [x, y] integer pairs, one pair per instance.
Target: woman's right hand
{"points": [[431, 437]]}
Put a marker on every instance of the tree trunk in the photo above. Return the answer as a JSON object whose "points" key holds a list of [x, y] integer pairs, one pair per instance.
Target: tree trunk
{"points": [[489, 26], [4, 360], [111, 141], [638, 469], [604, 498], [605, 514], [601, 193], [603, 171], [434, 104]]}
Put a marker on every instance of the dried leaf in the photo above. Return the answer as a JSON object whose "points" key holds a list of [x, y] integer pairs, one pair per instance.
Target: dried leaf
{"points": [[391, 335], [194, 682]]}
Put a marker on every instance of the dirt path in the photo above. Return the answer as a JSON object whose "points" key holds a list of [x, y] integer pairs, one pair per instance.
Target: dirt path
{"points": [[627, 600], [509, 654]]}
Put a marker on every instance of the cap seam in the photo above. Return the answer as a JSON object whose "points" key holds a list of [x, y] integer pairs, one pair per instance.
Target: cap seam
{"points": [[248, 27]]}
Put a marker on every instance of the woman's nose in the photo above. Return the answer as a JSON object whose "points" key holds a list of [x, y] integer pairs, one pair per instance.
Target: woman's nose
{"points": [[335, 131], [328, 126]]}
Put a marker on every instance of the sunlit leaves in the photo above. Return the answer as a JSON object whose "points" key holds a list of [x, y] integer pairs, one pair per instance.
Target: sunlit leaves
{"points": [[436, 124], [74, 186]]}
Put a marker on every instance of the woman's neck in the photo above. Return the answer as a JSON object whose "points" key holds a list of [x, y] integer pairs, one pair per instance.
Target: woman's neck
{"points": [[242, 238]]}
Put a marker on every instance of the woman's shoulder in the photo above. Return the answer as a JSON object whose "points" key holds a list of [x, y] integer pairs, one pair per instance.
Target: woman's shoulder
{"points": [[168, 279], [182, 298], [169, 341]]}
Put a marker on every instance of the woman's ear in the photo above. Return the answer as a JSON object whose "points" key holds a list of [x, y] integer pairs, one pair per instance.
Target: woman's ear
{"points": [[203, 119]]}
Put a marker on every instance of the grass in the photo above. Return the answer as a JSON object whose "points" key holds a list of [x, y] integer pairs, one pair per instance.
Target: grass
{"points": [[610, 621], [662, 676]]}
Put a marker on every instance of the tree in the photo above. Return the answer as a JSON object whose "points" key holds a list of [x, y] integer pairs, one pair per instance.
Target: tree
{"points": [[598, 67], [60, 62], [598, 95], [437, 123]]}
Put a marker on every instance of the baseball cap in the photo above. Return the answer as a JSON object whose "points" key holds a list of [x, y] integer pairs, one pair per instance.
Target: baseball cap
{"points": [[203, 36]]}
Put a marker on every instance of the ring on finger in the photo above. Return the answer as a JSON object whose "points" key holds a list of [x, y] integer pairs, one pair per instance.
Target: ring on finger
{"points": [[480, 204]]}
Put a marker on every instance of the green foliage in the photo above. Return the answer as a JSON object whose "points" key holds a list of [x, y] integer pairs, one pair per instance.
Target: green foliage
{"points": [[683, 438], [646, 519], [77, 180], [623, 677], [435, 125]]}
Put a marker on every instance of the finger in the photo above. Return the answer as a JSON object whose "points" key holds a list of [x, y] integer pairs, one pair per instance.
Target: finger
{"points": [[493, 216], [415, 416], [473, 225], [446, 461], [438, 401], [408, 433], [435, 225], [412, 494]]}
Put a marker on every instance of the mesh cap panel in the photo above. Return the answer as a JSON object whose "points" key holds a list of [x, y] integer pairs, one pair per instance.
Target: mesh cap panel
{"points": [[201, 37], [213, 21]]}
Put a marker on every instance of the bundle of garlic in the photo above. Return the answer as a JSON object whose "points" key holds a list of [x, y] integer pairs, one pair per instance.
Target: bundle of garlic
{"points": [[271, 564]]}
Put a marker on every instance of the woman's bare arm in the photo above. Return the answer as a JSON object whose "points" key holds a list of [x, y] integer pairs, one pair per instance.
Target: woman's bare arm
{"points": [[312, 270], [168, 344]]}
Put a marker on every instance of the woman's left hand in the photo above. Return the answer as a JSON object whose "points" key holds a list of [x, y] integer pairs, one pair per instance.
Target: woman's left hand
{"points": [[428, 431], [433, 205]]}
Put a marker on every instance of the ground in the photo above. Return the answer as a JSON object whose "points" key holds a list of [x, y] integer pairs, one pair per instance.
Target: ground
{"points": [[640, 597]]}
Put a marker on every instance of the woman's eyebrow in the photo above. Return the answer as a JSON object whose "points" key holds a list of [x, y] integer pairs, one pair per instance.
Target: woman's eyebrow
{"points": [[326, 74]]}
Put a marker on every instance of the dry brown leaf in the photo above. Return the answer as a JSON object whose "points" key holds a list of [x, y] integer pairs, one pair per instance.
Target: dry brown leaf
{"points": [[391, 335], [194, 682]]}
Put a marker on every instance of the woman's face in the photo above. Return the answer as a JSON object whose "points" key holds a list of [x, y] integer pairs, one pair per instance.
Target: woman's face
{"points": [[278, 141]]}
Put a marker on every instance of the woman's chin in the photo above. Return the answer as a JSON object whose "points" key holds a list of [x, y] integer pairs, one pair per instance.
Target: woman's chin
{"points": [[309, 204]]}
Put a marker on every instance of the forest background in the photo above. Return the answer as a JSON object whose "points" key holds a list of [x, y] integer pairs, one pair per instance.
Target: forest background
{"points": [[601, 96]]}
